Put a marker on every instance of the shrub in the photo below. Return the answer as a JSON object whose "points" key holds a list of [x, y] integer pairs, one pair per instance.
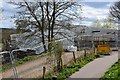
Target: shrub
{"points": [[55, 55]]}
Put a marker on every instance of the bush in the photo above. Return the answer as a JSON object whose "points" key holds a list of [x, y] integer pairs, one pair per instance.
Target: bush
{"points": [[55, 55]]}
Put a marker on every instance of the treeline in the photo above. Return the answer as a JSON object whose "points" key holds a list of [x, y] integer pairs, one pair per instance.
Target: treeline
{"points": [[5, 37]]}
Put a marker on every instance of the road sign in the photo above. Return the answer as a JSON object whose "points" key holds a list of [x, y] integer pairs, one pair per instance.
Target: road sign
{"points": [[103, 48]]}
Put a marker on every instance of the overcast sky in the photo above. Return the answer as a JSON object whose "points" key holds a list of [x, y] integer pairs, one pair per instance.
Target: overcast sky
{"points": [[95, 10], [91, 11]]}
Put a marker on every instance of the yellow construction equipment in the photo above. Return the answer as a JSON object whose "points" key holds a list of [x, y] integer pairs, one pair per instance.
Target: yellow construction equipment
{"points": [[103, 48]]}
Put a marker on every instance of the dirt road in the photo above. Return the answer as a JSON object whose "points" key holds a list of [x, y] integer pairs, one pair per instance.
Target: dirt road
{"points": [[33, 68]]}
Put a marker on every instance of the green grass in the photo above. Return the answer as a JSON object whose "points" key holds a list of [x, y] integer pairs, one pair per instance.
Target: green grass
{"points": [[71, 68], [113, 73], [22, 61]]}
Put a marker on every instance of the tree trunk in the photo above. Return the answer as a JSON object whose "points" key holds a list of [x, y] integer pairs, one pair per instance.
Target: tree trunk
{"points": [[53, 21], [43, 41], [49, 27], [42, 27]]}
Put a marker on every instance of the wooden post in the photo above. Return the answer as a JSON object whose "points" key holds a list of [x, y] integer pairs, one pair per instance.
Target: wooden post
{"points": [[85, 53], [94, 50], [61, 63], [44, 70], [74, 57]]}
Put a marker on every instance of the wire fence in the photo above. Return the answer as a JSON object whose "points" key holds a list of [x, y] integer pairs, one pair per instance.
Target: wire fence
{"points": [[34, 69]]}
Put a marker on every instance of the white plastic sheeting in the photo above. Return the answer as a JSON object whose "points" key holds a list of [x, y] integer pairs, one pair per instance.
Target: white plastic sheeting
{"points": [[34, 42]]}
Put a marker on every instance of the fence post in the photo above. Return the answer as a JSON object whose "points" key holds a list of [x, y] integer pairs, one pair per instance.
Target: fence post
{"points": [[61, 63], [44, 70], [85, 53], [74, 57]]}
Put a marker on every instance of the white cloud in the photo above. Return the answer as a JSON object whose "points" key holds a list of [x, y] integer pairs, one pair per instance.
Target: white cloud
{"points": [[1, 1], [108, 5], [87, 23], [95, 13], [64, 0], [91, 14], [5, 15], [9, 23], [1, 16], [99, 0], [88, 12]]}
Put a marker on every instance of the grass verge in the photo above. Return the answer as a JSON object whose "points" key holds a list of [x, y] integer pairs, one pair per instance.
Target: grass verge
{"points": [[22, 61], [72, 68], [113, 73]]}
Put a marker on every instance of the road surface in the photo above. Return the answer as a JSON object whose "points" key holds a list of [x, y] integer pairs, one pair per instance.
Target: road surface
{"points": [[96, 68]]}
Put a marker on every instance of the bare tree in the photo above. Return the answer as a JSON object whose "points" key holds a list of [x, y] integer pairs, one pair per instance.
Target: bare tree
{"points": [[115, 10], [46, 16]]}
